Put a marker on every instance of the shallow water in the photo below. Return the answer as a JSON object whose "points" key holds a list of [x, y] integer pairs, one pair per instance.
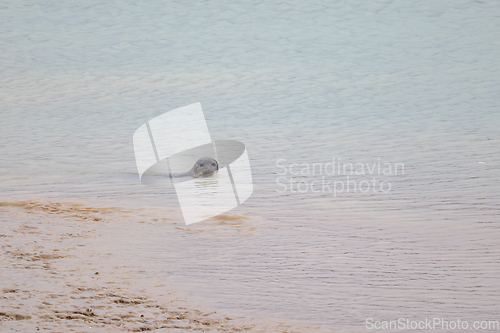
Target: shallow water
{"points": [[314, 82]]}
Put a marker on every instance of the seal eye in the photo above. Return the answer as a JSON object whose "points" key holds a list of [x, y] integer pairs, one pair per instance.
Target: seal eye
{"points": [[201, 164], [213, 164]]}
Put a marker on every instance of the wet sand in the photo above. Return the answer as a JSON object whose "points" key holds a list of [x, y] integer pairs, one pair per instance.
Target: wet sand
{"points": [[57, 276]]}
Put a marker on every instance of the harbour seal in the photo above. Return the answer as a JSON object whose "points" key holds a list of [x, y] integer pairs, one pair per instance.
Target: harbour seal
{"points": [[204, 167]]}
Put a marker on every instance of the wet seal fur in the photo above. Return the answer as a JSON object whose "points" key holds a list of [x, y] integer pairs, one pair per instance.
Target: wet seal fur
{"points": [[204, 167]]}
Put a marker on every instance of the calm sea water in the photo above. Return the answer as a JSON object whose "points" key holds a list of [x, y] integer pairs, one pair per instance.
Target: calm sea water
{"points": [[384, 82]]}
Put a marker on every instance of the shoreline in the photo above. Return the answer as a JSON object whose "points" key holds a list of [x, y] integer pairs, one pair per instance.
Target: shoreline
{"points": [[59, 273]]}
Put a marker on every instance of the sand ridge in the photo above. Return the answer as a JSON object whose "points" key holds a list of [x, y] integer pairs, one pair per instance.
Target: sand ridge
{"points": [[57, 276]]}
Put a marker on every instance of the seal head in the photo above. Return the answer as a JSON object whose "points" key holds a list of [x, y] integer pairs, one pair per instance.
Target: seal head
{"points": [[205, 167]]}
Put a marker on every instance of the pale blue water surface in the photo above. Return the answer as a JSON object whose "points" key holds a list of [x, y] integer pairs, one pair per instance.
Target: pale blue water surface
{"points": [[410, 82]]}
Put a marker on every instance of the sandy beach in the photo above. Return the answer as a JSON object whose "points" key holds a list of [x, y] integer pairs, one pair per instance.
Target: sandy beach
{"points": [[57, 276]]}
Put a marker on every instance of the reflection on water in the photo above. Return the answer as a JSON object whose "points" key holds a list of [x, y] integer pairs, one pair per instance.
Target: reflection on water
{"points": [[201, 198], [208, 185], [305, 82]]}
